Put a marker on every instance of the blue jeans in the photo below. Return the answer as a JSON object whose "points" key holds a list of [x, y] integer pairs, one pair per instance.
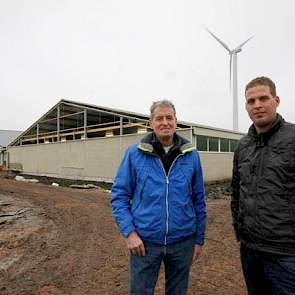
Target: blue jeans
{"points": [[177, 258], [268, 274]]}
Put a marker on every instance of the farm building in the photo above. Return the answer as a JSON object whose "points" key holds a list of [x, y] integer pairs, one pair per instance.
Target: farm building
{"points": [[81, 141]]}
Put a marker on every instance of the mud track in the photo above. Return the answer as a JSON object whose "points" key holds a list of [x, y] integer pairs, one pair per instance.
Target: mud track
{"points": [[64, 241]]}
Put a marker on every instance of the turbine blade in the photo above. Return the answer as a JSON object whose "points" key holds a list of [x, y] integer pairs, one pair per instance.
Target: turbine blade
{"points": [[221, 42], [230, 71], [241, 45]]}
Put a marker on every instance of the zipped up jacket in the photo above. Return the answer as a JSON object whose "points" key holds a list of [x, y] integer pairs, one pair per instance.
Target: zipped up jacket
{"points": [[161, 207], [263, 199]]}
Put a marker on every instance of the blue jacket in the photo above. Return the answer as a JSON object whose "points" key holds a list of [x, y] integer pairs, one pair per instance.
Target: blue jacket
{"points": [[161, 208]]}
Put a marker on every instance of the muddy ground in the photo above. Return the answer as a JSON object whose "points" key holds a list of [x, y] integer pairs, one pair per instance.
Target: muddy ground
{"points": [[60, 240]]}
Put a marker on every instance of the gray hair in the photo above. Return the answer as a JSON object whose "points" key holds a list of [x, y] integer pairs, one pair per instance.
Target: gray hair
{"points": [[162, 103]]}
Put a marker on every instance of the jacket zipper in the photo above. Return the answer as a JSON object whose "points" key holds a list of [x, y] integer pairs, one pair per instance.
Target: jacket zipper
{"points": [[259, 174], [167, 193]]}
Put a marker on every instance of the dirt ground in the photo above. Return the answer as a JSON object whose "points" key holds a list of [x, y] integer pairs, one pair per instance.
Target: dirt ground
{"points": [[60, 240]]}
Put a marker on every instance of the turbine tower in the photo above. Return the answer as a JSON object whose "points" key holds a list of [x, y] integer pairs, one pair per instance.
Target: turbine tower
{"points": [[233, 76]]}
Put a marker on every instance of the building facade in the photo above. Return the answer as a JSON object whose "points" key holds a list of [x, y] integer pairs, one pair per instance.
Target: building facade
{"points": [[81, 141], [6, 136]]}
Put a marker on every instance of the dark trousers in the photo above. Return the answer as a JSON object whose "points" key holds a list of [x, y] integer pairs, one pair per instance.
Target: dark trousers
{"points": [[268, 274], [177, 258]]}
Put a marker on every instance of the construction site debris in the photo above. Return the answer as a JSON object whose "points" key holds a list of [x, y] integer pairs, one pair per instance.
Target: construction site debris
{"points": [[83, 186], [21, 178], [9, 216]]}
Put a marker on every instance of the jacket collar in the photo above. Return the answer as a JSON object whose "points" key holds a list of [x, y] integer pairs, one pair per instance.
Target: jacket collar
{"points": [[146, 144], [264, 136]]}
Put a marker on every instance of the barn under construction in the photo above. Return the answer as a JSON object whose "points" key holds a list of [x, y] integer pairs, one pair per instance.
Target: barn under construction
{"points": [[82, 141]]}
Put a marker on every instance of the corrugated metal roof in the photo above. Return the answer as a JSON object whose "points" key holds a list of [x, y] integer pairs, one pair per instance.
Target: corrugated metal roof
{"points": [[118, 112], [7, 136], [145, 116]]}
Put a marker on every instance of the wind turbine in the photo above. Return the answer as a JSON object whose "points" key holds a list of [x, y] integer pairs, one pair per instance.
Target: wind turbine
{"points": [[233, 76]]}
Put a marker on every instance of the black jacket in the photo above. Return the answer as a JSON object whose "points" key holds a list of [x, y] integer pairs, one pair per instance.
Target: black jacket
{"points": [[263, 197]]}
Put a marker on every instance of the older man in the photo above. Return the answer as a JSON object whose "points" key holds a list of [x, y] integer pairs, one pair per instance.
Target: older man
{"points": [[159, 205]]}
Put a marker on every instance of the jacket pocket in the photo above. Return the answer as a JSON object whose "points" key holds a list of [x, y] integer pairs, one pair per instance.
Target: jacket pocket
{"points": [[187, 172], [137, 198], [245, 172]]}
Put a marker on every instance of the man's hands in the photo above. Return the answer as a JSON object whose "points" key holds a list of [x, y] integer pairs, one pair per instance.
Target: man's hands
{"points": [[197, 253], [135, 244]]}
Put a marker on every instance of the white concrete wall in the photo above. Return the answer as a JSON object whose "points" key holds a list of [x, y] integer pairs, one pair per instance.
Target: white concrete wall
{"points": [[216, 166], [98, 159]]}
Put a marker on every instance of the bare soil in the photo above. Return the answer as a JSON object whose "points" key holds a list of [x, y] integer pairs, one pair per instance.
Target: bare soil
{"points": [[60, 240]]}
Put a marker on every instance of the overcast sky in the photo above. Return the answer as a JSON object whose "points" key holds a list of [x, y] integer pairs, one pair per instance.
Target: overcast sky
{"points": [[126, 54]]}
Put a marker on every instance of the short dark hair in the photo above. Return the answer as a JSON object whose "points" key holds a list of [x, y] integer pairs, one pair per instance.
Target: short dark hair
{"points": [[162, 103], [262, 81]]}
